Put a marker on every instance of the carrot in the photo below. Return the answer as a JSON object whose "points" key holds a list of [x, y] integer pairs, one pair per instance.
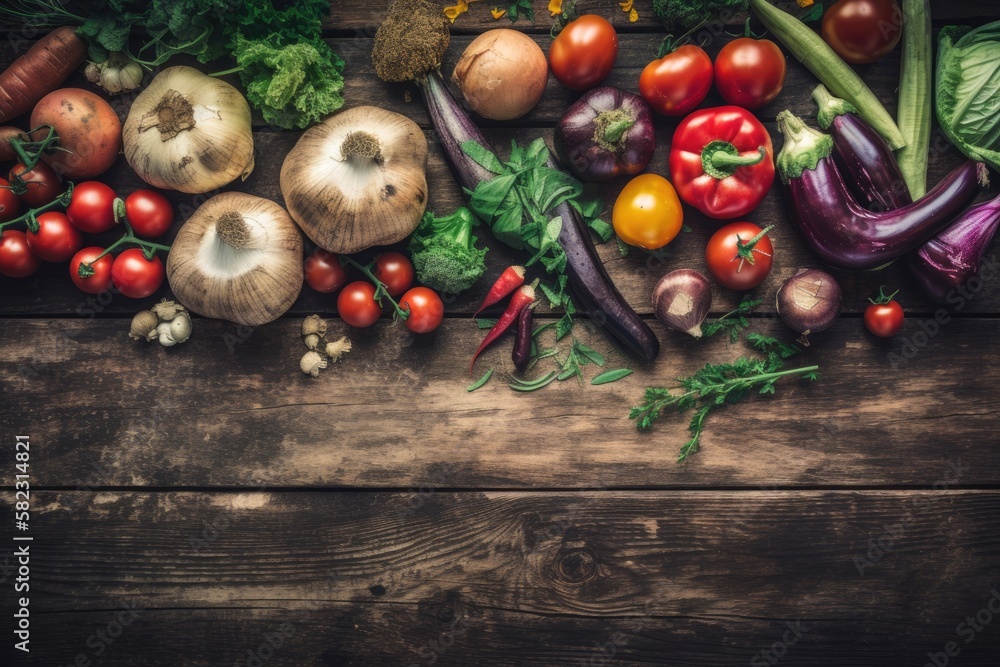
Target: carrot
{"points": [[40, 71], [509, 280], [522, 298]]}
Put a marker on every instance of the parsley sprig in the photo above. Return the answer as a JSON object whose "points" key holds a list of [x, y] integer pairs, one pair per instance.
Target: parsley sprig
{"points": [[718, 385], [518, 204], [735, 321]]}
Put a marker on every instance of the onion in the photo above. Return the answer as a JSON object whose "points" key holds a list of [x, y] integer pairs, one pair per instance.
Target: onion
{"points": [[502, 74], [809, 302], [681, 300], [188, 131]]}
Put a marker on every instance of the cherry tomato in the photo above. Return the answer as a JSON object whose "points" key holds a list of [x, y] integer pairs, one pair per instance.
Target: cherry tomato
{"points": [[676, 83], [135, 276], [426, 309], [749, 73], [647, 213], [42, 182], [395, 271], [862, 31], [10, 205], [16, 258], [92, 207], [100, 281], [725, 262], [884, 316], [584, 52], [56, 240], [324, 272], [357, 306], [149, 213]]}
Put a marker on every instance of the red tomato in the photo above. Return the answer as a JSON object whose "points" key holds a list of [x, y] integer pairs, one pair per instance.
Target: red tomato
{"points": [[394, 271], [584, 52], [885, 320], [16, 259], [92, 207], [135, 276], [862, 31], [100, 281], [749, 73], [725, 262], [324, 272], [42, 182], [56, 240], [426, 309], [357, 306], [676, 83], [149, 213], [10, 205]]}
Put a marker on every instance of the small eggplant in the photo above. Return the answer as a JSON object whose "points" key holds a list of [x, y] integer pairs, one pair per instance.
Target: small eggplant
{"points": [[947, 263], [863, 157], [606, 133], [839, 229]]}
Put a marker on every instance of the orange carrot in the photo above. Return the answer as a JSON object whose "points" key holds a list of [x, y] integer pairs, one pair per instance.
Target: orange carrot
{"points": [[40, 71]]}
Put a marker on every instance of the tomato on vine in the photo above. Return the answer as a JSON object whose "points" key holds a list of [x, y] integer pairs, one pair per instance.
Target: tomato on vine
{"points": [[149, 213], [395, 271], [96, 278], [324, 272], [37, 186], [9, 203], [16, 258], [356, 304], [135, 275], [426, 310], [884, 316], [92, 207], [55, 239]]}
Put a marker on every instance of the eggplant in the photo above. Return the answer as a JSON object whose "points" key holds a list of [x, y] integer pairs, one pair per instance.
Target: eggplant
{"points": [[606, 133], [839, 229], [947, 264], [865, 160], [589, 282]]}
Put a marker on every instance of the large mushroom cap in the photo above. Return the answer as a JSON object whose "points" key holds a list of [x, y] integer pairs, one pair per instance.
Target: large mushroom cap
{"points": [[238, 258], [357, 180]]}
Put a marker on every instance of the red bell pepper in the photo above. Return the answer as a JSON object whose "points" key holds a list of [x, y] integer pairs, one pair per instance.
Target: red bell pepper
{"points": [[722, 161]]}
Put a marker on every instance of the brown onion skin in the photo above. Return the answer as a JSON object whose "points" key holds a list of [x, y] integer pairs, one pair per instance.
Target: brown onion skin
{"points": [[803, 320], [502, 74], [575, 143], [7, 133], [696, 286]]}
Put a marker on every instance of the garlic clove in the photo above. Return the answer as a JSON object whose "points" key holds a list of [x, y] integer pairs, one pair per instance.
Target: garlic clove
{"points": [[314, 324], [166, 336], [312, 341], [312, 362], [143, 326], [180, 327]]}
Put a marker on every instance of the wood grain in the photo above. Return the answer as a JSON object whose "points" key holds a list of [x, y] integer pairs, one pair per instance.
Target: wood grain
{"points": [[231, 406], [513, 579]]}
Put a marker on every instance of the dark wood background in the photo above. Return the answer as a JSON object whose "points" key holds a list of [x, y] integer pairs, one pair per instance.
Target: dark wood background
{"points": [[382, 515]]}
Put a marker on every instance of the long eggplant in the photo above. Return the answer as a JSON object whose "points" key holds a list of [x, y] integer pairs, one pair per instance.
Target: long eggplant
{"points": [[947, 264], [589, 282], [839, 229], [864, 158]]}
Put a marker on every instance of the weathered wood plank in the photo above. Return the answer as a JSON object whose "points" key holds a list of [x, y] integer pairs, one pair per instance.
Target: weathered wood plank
{"points": [[514, 579], [230, 406]]}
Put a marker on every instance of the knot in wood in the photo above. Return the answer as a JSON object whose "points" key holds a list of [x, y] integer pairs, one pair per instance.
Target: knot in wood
{"points": [[576, 566]]}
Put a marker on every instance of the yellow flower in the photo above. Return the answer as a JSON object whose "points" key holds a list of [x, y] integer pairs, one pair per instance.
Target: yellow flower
{"points": [[555, 7], [804, 3], [633, 16], [455, 11], [627, 7], [498, 13]]}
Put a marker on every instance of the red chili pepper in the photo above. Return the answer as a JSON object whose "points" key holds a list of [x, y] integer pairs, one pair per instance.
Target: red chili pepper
{"points": [[509, 280], [722, 161], [522, 298]]}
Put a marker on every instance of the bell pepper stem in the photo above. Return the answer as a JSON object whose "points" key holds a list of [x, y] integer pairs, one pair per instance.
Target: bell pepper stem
{"points": [[613, 133], [724, 160]]}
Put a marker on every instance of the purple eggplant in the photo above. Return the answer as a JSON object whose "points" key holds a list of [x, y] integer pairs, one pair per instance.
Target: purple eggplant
{"points": [[606, 133], [839, 229], [589, 282], [947, 264], [863, 157]]}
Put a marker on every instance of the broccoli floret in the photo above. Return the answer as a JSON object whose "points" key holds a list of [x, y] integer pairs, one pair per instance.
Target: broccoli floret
{"points": [[444, 254], [689, 13]]}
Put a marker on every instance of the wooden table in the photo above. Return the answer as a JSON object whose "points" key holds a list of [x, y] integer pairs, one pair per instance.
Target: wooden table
{"points": [[241, 513]]}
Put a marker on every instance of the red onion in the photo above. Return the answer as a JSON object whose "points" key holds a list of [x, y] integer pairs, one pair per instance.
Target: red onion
{"points": [[681, 300], [809, 302], [606, 133]]}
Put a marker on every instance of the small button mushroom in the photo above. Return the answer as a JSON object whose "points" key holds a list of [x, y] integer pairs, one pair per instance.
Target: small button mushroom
{"points": [[312, 362], [180, 327], [144, 326], [338, 348], [165, 335]]}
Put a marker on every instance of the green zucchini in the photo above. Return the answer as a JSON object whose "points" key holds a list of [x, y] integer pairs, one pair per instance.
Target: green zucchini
{"points": [[914, 112], [810, 49]]}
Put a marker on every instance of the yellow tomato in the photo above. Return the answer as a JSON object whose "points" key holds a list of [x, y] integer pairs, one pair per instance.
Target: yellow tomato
{"points": [[648, 213]]}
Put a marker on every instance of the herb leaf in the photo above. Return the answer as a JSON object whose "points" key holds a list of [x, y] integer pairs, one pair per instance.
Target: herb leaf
{"points": [[611, 376], [734, 322], [481, 381]]}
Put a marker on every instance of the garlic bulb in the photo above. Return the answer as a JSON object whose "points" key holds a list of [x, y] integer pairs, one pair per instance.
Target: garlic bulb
{"points": [[238, 258], [190, 132], [357, 180]]}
